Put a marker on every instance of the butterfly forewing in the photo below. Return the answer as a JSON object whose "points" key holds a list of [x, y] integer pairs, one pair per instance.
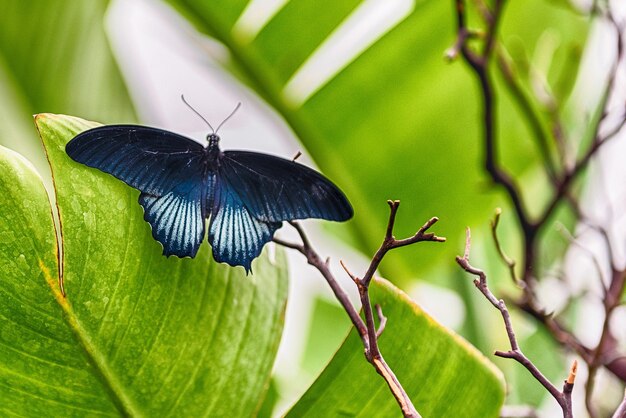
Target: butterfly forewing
{"points": [[167, 168], [149, 159], [275, 189]]}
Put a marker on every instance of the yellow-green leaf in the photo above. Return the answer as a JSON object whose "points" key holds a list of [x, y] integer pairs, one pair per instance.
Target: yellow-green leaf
{"points": [[443, 374], [138, 333]]}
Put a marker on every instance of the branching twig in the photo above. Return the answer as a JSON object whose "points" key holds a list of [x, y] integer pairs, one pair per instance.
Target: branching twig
{"points": [[510, 263], [563, 184], [562, 397], [480, 64], [390, 242], [367, 329], [563, 176], [314, 259]]}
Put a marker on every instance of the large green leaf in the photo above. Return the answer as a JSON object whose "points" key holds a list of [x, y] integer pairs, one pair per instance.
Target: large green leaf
{"points": [[397, 121], [43, 371], [138, 334], [54, 57], [443, 374]]}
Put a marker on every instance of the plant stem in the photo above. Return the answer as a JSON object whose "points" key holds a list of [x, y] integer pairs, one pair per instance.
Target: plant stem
{"points": [[564, 397], [367, 330]]}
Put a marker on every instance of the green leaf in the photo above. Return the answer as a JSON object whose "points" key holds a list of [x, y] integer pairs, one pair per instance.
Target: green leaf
{"points": [[443, 374], [322, 341], [138, 334], [54, 57], [43, 371], [397, 122]]}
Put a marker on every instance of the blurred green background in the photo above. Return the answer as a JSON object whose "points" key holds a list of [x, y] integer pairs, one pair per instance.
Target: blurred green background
{"points": [[361, 86]]}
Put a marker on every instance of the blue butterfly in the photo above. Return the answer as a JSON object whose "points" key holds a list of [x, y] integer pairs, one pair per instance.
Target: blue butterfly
{"points": [[246, 195]]}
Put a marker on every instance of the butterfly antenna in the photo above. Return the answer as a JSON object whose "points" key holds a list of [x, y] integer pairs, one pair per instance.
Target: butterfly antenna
{"points": [[198, 113], [229, 116]]}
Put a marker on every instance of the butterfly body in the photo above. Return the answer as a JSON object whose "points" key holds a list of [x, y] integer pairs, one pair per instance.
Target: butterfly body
{"points": [[245, 195]]}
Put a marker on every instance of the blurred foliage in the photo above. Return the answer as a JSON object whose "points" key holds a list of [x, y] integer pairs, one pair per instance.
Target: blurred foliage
{"points": [[396, 122], [54, 57]]}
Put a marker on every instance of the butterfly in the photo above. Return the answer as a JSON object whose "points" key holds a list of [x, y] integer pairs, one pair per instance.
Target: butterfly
{"points": [[245, 195]]}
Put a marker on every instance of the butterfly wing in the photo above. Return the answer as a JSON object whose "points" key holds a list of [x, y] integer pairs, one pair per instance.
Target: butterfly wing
{"points": [[236, 236], [149, 159], [177, 219], [274, 189], [167, 168]]}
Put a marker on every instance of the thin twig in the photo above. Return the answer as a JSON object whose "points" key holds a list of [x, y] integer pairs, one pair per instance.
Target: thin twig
{"points": [[532, 227], [348, 272], [562, 186], [568, 388], [563, 398], [316, 261], [510, 263], [596, 263], [367, 329], [453, 52], [390, 242], [479, 63], [382, 321]]}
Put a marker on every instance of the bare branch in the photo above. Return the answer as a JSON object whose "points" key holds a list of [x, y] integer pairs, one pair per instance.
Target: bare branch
{"points": [[390, 242], [382, 321], [563, 176], [349, 273], [515, 353], [287, 244], [510, 263], [367, 329], [316, 261]]}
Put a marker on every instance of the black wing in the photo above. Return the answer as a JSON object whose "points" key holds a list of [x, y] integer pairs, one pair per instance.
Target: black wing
{"points": [[149, 159], [274, 189], [236, 236], [167, 168]]}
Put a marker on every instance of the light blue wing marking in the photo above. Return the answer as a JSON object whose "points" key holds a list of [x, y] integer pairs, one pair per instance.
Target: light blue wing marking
{"points": [[177, 219], [235, 235]]}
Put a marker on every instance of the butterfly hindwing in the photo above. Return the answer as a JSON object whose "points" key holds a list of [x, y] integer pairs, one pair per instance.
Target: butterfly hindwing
{"points": [[149, 159], [177, 219], [235, 235], [275, 189]]}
